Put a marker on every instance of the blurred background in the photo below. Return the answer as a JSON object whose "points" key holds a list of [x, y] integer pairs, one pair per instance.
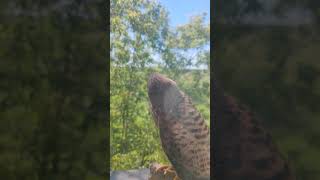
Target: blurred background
{"points": [[266, 53], [52, 91], [170, 37]]}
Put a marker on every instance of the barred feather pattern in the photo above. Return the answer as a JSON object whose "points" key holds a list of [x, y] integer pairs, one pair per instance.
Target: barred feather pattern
{"points": [[185, 137]]}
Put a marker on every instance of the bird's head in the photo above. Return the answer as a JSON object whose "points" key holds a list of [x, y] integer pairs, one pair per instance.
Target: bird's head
{"points": [[163, 92]]}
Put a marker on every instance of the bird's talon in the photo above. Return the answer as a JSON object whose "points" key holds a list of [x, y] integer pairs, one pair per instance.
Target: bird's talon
{"points": [[162, 168]]}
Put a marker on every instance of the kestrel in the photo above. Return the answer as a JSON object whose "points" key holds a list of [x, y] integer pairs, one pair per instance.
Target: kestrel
{"points": [[185, 137]]}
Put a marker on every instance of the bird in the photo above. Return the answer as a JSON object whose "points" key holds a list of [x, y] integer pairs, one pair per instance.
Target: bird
{"points": [[242, 147], [184, 134]]}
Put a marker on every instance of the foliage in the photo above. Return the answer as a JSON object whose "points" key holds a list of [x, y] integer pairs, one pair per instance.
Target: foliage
{"points": [[52, 72], [140, 36]]}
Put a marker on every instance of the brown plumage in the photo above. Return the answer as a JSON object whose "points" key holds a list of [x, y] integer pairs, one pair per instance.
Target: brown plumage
{"points": [[184, 135], [242, 148]]}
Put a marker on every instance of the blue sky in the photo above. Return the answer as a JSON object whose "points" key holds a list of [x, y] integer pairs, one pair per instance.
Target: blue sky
{"points": [[181, 10]]}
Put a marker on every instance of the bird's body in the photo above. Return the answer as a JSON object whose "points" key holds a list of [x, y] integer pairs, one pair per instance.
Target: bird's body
{"points": [[184, 135], [242, 148]]}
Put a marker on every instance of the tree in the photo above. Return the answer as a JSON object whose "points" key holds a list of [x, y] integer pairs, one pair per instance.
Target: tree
{"points": [[142, 42]]}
